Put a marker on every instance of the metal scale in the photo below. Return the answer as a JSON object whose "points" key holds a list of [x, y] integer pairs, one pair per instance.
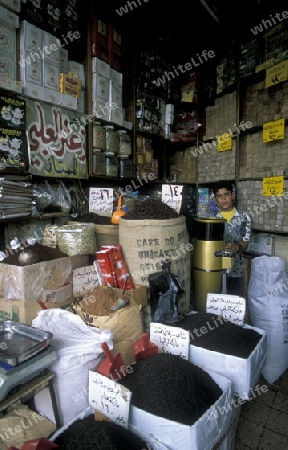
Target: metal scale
{"points": [[11, 376]]}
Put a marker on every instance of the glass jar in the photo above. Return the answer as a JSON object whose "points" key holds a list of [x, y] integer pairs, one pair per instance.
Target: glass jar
{"points": [[125, 147], [112, 139], [111, 165], [99, 138], [98, 166], [125, 167]]}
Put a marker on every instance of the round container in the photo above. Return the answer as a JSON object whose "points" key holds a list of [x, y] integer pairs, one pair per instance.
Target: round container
{"points": [[98, 162], [112, 139], [125, 167], [125, 148], [99, 137], [111, 165]]}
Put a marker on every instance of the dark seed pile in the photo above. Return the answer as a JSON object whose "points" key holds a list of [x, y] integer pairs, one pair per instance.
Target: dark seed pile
{"points": [[89, 434], [151, 209], [94, 218], [168, 386], [218, 334]]}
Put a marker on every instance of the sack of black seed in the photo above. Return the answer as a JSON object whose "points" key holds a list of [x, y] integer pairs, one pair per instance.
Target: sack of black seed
{"points": [[237, 352], [179, 404]]}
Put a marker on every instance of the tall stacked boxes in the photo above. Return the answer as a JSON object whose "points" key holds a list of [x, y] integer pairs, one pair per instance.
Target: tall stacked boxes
{"points": [[9, 22], [100, 88]]}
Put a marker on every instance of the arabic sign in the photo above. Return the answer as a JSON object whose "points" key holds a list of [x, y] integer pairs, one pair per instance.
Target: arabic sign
{"points": [[55, 147], [85, 280], [273, 131], [224, 142], [170, 339], [101, 201], [172, 196], [231, 307], [109, 398], [273, 186], [276, 74]]}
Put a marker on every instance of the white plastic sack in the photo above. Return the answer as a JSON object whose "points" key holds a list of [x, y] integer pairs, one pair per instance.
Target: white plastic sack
{"points": [[78, 348], [268, 310]]}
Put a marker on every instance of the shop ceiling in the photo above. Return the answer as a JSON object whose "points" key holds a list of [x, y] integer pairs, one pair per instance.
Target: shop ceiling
{"points": [[184, 26]]}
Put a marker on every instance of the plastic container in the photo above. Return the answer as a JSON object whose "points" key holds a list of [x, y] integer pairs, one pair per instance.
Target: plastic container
{"points": [[111, 165], [125, 148], [112, 139], [125, 167], [99, 136], [98, 162]]}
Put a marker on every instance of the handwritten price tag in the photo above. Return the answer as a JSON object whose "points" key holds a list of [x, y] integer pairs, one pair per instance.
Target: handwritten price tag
{"points": [[85, 280], [172, 196], [109, 398], [273, 131], [231, 307], [273, 186], [101, 201], [169, 339]]}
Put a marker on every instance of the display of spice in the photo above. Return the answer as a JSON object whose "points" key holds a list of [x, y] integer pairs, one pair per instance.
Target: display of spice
{"points": [[89, 434], [219, 334], [92, 217], [78, 239], [151, 209], [178, 389]]}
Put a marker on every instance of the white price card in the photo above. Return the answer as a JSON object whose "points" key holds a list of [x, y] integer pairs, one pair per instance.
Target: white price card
{"points": [[172, 196], [109, 398], [170, 339], [85, 280], [231, 307], [101, 201]]}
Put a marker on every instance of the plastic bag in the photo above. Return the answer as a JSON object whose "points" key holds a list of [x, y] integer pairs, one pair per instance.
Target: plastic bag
{"points": [[63, 198], [268, 310], [45, 198], [164, 290]]}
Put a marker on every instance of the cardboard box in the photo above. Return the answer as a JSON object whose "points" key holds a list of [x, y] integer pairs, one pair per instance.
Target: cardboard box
{"points": [[243, 373], [101, 67], [23, 312], [13, 5], [203, 434], [29, 283], [100, 38], [8, 17]]}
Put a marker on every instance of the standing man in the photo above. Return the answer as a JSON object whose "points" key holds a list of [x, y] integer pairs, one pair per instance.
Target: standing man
{"points": [[237, 234]]}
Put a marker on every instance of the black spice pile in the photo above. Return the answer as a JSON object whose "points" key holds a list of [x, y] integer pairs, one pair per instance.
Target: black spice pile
{"points": [[94, 218], [168, 386], [88, 434], [218, 334], [151, 209]]}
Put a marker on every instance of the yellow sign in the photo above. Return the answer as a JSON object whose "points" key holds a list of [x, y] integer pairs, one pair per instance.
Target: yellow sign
{"points": [[273, 186], [276, 74], [273, 131], [224, 142]]}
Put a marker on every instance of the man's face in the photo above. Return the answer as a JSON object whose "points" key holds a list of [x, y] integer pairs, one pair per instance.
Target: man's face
{"points": [[224, 199]]}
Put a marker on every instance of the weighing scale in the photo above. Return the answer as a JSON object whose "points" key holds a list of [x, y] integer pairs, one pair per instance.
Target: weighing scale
{"points": [[11, 376]]}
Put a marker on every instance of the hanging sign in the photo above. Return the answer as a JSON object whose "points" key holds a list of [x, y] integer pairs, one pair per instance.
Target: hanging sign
{"points": [[273, 186], [109, 398], [273, 131], [276, 74], [231, 307], [170, 339], [56, 140], [172, 196], [224, 142], [101, 201]]}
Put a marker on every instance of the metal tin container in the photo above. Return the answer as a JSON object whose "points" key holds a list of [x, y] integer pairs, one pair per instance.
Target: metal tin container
{"points": [[99, 136], [98, 162], [112, 139]]}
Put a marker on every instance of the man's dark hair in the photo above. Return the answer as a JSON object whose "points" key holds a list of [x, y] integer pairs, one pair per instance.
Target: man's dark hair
{"points": [[223, 185]]}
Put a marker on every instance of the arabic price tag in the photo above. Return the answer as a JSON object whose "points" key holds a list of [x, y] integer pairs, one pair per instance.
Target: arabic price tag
{"points": [[276, 74], [172, 196], [169, 339], [273, 186], [85, 280], [101, 201], [273, 131], [231, 307], [224, 142], [109, 398]]}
